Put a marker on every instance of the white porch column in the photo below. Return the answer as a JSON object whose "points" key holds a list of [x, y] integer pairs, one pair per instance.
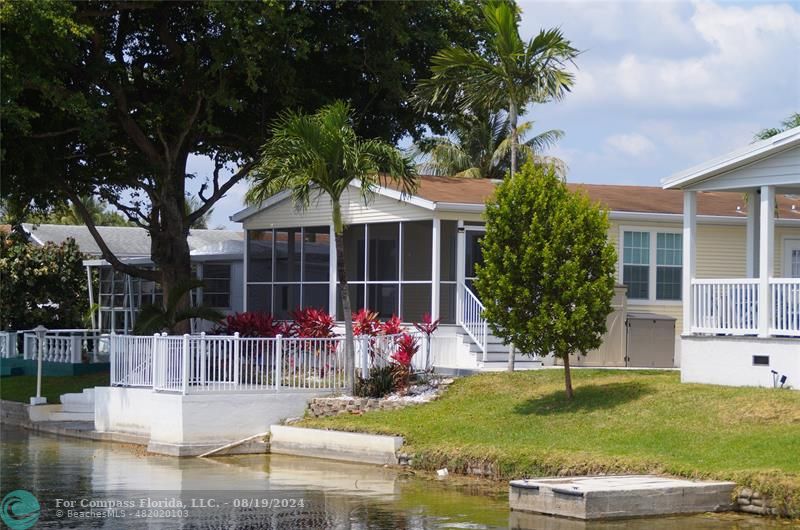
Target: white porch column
{"points": [[460, 249], [753, 209], [766, 257], [332, 272], [436, 252], [689, 255]]}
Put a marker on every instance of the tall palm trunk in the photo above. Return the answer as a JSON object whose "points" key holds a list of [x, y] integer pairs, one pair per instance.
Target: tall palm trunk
{"points": [[512, 122], [341, 271]]}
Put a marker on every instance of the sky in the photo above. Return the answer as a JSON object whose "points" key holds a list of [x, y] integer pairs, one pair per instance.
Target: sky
{"points": [[659, 86]]}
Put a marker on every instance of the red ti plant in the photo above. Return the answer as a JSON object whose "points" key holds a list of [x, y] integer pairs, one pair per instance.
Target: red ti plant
{"points": [[313, 323], [407, 347], [366, 322], [251, 324], [393, 326], [426, 326]]}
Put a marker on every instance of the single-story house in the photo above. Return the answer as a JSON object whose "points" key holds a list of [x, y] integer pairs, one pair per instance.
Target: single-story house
{"points": [[741, 318], [216, 259], [410, 255]]}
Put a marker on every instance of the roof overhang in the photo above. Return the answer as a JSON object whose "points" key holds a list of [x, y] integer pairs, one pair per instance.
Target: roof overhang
{"points": [[693, 177]]}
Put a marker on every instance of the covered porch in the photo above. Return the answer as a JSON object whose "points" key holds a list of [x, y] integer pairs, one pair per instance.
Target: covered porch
{"points": [[746, 331]]}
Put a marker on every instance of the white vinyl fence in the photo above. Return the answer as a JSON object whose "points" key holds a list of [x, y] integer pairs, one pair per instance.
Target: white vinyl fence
{"points": [[230, 363], [66, 345], [8, 344], [785, 297]]}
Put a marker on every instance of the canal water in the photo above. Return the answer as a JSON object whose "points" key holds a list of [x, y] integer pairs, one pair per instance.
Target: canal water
{"points": [[84, 484]]}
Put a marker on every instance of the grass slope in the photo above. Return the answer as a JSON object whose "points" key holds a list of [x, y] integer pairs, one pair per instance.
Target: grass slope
{"points": [[22, 387], [619, 421]]}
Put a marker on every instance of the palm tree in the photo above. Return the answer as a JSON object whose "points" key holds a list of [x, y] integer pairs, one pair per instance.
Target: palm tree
{"points": [[479, 147], [789, 123], [320, 155], [156, 318], [509, 74]]}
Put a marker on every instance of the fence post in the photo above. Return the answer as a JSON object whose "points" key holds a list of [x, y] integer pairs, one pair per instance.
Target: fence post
{"points": [[185, 364], [203, 354], [157, 368], [75, 348], [364, 339], [112, 358], [236, 350], [278, 361]]}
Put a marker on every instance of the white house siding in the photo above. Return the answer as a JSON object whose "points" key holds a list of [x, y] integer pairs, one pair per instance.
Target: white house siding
{"points": [[379, 209], [785, 164]]}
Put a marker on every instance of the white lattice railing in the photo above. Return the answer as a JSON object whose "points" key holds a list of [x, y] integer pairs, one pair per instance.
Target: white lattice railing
{"points": [[471, 318], [785, 297], [725, 306]]}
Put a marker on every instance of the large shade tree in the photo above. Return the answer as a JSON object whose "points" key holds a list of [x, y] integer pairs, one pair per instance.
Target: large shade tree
{"points": [[111, 98], [317, 157], [478, 147], [508, 73]]}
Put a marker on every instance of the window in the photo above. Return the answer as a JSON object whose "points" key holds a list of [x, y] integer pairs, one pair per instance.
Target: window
{"points": [[652, 272], [669, 266], [636, 264], [217, 285]]}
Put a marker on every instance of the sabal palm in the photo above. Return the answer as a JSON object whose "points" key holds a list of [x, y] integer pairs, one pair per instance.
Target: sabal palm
{"points": [[479, 147], [510, 74], [319, 155]]}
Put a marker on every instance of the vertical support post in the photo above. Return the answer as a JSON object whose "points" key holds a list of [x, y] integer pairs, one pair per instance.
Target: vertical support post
{"points": [[278, 361], [41, 332], [766, 258], [75, 349], [689, 255], [185, 364], [364, 340], [245, 260], [236, 357], [436, 253], [91, 296], [157, 364], [460, 281], [332, 279], [753, 214], [112, 357], [203, 361]]}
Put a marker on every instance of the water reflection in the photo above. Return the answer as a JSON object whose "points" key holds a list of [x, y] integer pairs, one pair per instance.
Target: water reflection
{"points": [[304, 493]]}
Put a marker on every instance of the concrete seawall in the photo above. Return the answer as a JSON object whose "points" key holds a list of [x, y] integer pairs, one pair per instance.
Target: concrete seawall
{"points": [[335, 445]]}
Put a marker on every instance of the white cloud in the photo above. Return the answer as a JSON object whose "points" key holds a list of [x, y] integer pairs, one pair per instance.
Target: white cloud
{"points": [[634, 144]]}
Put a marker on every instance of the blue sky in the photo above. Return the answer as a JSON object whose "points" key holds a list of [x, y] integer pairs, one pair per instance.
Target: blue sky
{"points": [[660, 86]]}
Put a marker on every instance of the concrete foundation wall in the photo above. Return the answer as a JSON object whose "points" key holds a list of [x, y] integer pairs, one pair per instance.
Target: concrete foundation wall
{"points": [[191, 424], [729, 360], [335, 445]]}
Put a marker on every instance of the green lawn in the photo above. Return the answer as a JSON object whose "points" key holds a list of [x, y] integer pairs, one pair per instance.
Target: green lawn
{"points": [[22, 387], [619, 421]]}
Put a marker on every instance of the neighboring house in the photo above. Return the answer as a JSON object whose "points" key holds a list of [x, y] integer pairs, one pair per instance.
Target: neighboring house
{"points": [[216, 259], [416, 254], [741, 318]]}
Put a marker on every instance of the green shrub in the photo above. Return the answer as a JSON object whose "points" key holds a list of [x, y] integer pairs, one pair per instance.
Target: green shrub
{"points": [[382, 381]]}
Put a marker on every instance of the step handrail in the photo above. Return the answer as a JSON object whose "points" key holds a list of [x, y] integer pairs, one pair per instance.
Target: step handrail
{"points": [[471, 319]]}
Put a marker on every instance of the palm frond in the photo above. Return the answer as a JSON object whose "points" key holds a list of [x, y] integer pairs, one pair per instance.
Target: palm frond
{"points": [[150, 319], [201, 312]]}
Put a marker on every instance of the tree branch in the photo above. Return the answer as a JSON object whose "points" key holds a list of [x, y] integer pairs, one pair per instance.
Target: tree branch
{"points": [[219, 191], [54, 133], [147, 274], [131, 212]]}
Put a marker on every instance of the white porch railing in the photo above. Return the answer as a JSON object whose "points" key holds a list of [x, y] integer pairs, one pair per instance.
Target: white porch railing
{"points": [[471, 318], [725, 306], [64, 345], [785, 296], [379, 350], [8, 344], [131, 360]]}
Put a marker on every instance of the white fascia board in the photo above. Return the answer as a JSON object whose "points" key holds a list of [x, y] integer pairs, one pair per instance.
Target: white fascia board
{"points": [[733, 160], [400, 196], [705, 219], [460, 207], [241, 215]]}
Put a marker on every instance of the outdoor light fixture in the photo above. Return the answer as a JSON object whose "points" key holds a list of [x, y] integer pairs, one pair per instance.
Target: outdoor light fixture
{"points": [[40, 331]]}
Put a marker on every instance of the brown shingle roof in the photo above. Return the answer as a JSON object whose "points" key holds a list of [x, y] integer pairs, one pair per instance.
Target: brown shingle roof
{"points": [[647, 199]]}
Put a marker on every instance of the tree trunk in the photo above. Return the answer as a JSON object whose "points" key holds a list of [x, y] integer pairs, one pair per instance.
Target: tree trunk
{"points": [[567, 377], [169, 246], [512, 122], [341, 271]]}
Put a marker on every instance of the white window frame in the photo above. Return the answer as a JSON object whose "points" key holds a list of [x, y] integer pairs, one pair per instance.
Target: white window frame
{"points": [[653, 266]]}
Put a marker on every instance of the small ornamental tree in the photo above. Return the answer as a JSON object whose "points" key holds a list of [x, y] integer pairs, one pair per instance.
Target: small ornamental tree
{"points": [[548, 275]]}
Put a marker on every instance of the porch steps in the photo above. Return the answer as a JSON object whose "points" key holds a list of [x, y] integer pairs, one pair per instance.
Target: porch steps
{"points": [[76, 407], [497, 355]]}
